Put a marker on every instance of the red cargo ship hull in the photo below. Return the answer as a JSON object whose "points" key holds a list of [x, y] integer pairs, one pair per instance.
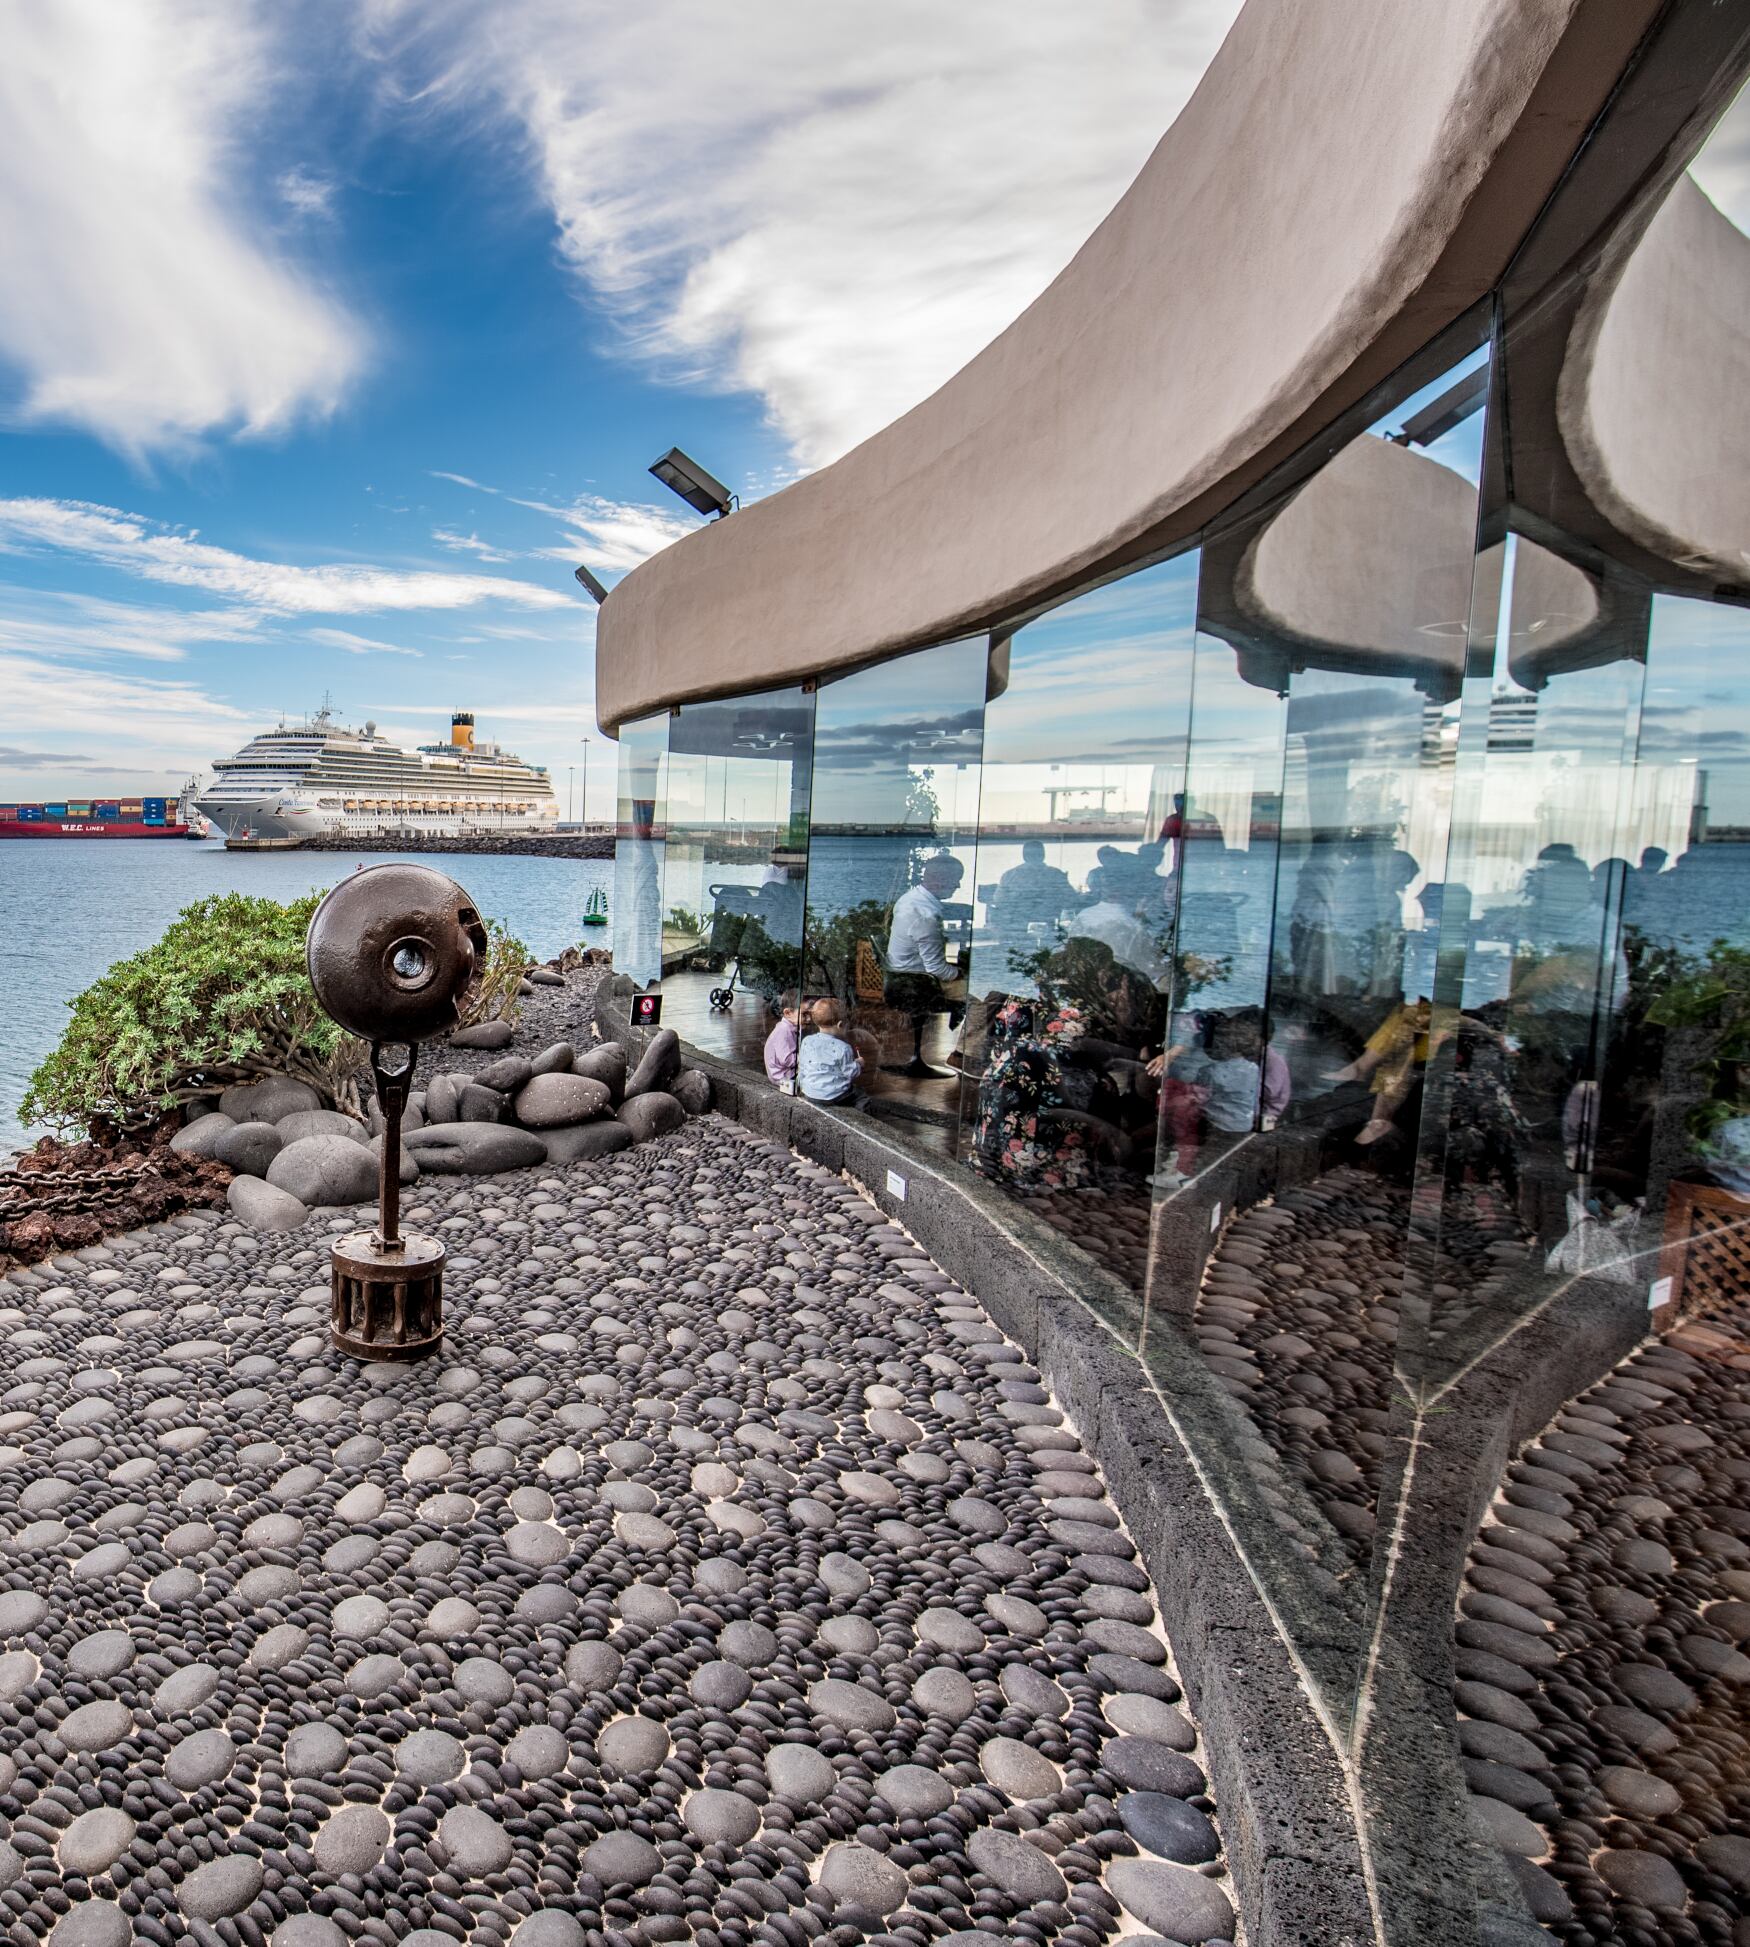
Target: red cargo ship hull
{"points": [[87, 828], [100, 816]]}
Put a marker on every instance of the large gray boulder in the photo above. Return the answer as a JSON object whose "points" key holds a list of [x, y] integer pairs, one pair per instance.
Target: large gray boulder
{"points": [[485, 1034], [412, 1117], [546, 977], [201, 1136], [660, 1065], [605, 1064], [409, 1165], [651, 1114], [248, 1147], [477, 1104], [474, 1148], [584, 1141], [443, 1094], [506, 1076], [691, 1088], [320, 1122], [553, 1060], [268, 1100], [262, 1207], [321, 1170], [557, 1101]]}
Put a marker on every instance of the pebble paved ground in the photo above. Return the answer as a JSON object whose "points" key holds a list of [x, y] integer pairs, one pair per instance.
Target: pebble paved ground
{"points": [[727, 1579], [1601, 1632]]}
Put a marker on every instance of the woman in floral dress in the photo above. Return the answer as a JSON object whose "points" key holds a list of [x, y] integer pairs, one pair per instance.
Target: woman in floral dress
{"points": [[1018, 1140]]}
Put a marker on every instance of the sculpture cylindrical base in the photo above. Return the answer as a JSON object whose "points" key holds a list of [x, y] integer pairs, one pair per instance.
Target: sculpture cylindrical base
{"points": [[386, 1304]]}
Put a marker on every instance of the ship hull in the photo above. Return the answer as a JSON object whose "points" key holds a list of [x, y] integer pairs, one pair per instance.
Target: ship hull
{"points": [[86, 828], [282, 818]]}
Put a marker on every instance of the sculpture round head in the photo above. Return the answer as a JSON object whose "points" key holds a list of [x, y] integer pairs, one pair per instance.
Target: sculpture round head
{"points": [[394, 951]]}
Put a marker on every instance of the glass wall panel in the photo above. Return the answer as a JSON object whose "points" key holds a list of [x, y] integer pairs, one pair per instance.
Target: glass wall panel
{"points": [[640, 831], [1577, 1293], [890, 870], [1306, 850], [1073, 898], [735, 867]]}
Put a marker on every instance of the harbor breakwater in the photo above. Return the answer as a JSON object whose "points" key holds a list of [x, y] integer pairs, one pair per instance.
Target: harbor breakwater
{"points": [[562, 845]]}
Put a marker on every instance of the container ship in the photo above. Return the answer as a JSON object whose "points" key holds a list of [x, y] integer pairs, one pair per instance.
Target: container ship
{"points": [[96, 818], [307, 780]]}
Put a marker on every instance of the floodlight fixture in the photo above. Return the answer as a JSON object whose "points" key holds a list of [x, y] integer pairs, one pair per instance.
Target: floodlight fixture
{"points": [[591, 586], [702, 491]]}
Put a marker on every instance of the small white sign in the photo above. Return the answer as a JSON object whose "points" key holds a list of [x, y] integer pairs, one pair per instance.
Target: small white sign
{"points": [[1215, 1218], [1658, 1293], [896, 1185]]}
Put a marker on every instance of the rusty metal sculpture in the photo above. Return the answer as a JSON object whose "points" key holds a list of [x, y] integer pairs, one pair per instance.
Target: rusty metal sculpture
{"points": [[393, 953]]}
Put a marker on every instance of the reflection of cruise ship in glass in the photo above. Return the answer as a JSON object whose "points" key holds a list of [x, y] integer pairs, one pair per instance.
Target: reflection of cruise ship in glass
{"points": [[316, 777]]}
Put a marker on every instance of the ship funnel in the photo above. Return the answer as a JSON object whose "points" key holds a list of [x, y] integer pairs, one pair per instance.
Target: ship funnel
{"points": [[462, 730]]}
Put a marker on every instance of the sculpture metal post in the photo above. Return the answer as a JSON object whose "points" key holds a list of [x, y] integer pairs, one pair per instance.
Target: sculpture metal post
{"points": [[393, 953]]}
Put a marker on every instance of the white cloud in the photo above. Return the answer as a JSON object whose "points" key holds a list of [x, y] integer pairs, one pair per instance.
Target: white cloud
{"points": [[116, 717], [137, 546], [359, 645], [448, 538], [612, 536], [834, 207], [61, 623], [459, 479], [141, 300], [306, 194]]}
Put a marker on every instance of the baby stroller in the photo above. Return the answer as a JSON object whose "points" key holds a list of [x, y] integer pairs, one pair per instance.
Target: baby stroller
{"points": [[752, 917]]}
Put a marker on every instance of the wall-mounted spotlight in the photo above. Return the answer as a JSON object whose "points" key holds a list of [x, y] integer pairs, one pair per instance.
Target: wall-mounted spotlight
{"points": [[590, 585], [702, 491]]}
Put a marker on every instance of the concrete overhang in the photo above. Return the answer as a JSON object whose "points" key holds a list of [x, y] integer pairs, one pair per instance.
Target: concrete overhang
{"points": [[1345, 182]]}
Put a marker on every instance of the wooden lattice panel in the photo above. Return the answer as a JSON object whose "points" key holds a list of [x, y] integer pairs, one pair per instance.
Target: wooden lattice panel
{"points": [[1706, 1249]]}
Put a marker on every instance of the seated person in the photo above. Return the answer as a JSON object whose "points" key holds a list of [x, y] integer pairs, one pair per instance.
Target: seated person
{"points": [[1031, 894], [1116, 926], [781, 1043], [920, 979], [827, 1062], [1218, 1093]]}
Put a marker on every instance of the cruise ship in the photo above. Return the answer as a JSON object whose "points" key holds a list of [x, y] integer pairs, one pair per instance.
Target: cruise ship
{"points": [[318, 777]]}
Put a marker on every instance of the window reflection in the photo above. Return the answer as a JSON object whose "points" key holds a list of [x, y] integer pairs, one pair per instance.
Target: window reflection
{"points": [[640, 831], [893, 830], [738, 786], [1311, 842], [1081, 828]]}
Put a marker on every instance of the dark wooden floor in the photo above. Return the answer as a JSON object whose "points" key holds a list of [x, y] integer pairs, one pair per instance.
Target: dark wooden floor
{"points": [[930, 1109]]}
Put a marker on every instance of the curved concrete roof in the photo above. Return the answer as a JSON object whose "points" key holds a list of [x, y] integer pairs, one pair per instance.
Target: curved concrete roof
{"points": [[1345, 182], [1654, 402]]}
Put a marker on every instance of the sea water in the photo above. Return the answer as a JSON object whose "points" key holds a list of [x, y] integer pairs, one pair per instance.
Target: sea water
{"points": [[73, 907]]}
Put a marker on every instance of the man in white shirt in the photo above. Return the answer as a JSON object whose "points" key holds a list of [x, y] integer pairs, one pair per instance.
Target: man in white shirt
{"points": [[917, 939], [920, 979]]}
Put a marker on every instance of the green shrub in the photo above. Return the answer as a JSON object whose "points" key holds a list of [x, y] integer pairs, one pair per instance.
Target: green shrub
{"points": [[1710, 995], [507, 961], [223, 997]]}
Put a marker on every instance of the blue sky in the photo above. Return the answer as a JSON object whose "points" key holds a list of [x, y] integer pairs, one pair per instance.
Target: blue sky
{"points": [[333, 336]]}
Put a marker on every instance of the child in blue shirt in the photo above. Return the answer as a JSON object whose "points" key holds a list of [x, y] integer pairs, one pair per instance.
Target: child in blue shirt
{"points": [[827, 1065]]}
